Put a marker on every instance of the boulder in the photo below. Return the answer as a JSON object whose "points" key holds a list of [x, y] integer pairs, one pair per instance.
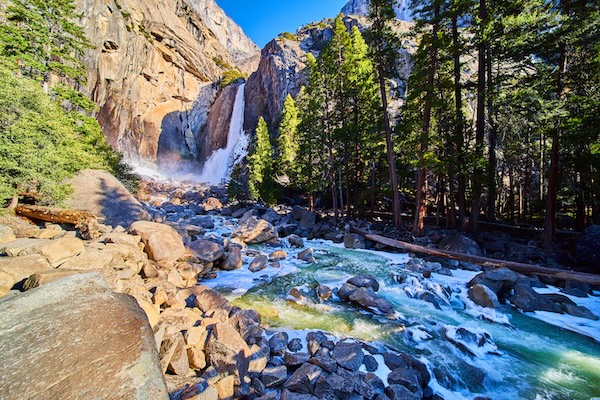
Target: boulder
{"points": [[579, 311], [324, 292], [371, 363], [345, 291], [459, 243], [295, 241], [205, 251], [399, 392], [233, 260], [208, 299], [499, 280], [407, 377], [254, 231], [92, 259], [259, 263], [211, 204], [295, 359], [483, 296], [163, 243], [278, 342], [44, 277], [6, 234], [100, 193], [278, 255], [354, 241], [367, 299], [227, 351], [294, 345], [348, 355], [15, 269], [527, 299], [275, 376], [61, 332], [304, 379], [364, 281], [307, 255], [588, 247]]}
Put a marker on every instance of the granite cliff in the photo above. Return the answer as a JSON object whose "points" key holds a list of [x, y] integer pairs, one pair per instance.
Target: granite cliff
{"points": [[154, 68]]}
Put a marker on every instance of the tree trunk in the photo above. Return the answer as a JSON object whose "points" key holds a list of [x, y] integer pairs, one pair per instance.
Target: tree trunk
{"points": [[480, 124], [391, 157], [551, 204], [421, 208], [591, 279], [492, 137], [459, 126]]}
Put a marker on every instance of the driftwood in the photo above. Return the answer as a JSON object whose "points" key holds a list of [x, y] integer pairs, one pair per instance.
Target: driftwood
{"points": [[85, 221], [530, 269]]}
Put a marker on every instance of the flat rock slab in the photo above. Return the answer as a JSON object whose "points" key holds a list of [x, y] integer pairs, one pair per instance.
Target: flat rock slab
{"points": [[75, 339], [103, 195]]}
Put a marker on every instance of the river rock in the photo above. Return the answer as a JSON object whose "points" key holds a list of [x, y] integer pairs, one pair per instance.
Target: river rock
{"points": [[205, 251], [295, 345], [259, 263], [527, 299], [478, 342], [499, 280], [366, 298], [247, 323], [459, 243], [324, 361], [163, 243], [208, 299], [579, 311], [6, 234], [303, 380], [295, 359], [406, 377], [307, 255], [371, 364], [233, 259], [295, 241], [77, 318], [254, 231], [399, 392], [354, 241], [364, 281], [211, 204], [278, 255], [324, 292], [483, 296], [278, 342], [588, 249], [227, 351], [348, 355], [274, 376]]}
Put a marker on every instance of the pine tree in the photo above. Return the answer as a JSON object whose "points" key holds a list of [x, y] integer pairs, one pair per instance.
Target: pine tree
{"points": [[383, 41], [260, 162], [287, 142]]}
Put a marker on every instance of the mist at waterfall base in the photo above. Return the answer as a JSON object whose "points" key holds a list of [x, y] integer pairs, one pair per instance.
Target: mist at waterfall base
{"points": [[217, 168]]}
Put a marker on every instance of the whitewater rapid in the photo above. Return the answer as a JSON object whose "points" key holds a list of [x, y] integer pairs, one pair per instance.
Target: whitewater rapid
{"points": [[218, 167]]}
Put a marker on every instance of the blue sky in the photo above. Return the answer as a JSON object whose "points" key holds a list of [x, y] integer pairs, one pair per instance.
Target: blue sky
{"points": [[263, 20]]}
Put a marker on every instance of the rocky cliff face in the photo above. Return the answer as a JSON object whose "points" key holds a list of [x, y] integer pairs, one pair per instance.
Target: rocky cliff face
{"points": [[281, 70], [153, 68], [279, 73], [361, 8]]}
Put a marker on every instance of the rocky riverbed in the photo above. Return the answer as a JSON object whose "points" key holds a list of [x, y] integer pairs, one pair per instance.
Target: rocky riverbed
{"points": [[238, 302]]}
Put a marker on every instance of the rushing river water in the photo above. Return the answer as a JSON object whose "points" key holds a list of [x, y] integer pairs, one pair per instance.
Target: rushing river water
{"points": [[526, 357]]}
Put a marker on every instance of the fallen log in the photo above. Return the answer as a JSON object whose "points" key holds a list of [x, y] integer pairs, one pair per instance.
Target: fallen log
{"points": [[530, 269], [85, 221]]}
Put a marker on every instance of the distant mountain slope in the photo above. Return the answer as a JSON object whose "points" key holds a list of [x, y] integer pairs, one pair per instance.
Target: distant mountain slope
{"points": [[361, 8]]}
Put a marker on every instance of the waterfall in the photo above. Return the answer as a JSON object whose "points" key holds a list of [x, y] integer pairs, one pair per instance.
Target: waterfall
{"points": [[217, 168]]}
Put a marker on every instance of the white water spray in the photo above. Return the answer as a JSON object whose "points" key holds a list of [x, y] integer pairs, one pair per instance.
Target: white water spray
{"points": [[217, 168]]}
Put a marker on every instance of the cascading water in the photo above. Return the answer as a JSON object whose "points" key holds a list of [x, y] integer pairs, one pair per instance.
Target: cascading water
{"points": [[219, 165]]}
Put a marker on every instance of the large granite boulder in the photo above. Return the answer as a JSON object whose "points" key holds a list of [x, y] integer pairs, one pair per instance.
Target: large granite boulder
{"points": [[103, 195], [254, 231], [16, 269], [74, 339], [163, 243]]}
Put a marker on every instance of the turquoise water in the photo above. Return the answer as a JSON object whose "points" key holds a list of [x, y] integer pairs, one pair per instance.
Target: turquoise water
{"points": [[537, 360]]}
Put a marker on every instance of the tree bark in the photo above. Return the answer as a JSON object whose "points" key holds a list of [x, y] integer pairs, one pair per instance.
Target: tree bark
{"points": [[84, 221], [480, 124], [551, 203], [459, 126], [421, 210], [492, 138]]}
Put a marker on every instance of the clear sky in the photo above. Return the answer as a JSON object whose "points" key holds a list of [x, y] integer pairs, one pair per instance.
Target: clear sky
{"points": [[263, 20]]}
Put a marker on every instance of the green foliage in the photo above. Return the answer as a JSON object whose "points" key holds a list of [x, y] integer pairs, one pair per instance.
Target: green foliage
{"points": [[260, 163], [287, 141], [42, 38], [230, 76], [288, 36]]}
